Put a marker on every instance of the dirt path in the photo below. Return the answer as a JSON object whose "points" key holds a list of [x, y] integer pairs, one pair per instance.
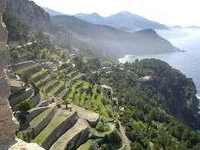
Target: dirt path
{"points": [[125, 141]]}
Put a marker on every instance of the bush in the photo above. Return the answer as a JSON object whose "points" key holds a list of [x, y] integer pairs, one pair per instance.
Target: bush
{"points": [[24, 106]]}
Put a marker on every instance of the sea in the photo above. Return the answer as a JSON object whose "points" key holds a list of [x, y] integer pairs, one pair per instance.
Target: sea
{"points": [[188, 62]]}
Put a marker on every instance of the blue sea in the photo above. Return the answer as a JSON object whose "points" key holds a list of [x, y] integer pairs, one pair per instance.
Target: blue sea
{"points": [[188, 62]]}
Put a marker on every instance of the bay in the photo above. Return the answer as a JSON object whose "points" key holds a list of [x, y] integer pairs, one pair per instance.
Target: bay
{"points": [[188, 62]]}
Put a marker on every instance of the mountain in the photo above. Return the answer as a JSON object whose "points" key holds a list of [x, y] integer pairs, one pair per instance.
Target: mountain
{"points": [[69, 31], [52, 12], [29, 13], [123, 20], [92, 18], [63, 101], [111, 41]]}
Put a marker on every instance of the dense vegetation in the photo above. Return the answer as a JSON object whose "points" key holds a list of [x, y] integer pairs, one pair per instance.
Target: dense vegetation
{"points": [[155, 103], [150, 95]]}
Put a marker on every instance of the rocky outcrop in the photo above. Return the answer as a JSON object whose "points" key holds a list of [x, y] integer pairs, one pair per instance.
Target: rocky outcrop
{"points": [[7, 125], [21, 145]]}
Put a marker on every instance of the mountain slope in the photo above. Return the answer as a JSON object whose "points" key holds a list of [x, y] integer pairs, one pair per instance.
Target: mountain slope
{"points": [[52, 12], [111, 41], [28, 13], [76, 34], [123, 20]]}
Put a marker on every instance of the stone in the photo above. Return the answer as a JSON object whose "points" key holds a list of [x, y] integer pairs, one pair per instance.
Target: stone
{"points": [[8, 124], [3, 31], [21, 145]]}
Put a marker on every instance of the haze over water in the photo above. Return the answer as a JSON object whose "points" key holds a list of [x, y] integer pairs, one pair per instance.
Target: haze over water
{"points": [[188, 62]]}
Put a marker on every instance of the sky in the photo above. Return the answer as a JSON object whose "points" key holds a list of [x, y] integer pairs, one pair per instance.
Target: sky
{"points": [[169, 12]]}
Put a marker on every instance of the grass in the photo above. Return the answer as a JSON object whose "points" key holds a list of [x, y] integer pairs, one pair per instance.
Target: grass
{"points": [[28, 71], [67, 136], [51, 85], [39, 75], [42, 82], [57, 120], [40, 117], [57, 89], [86, 145], [63, 94], [94, 101]]}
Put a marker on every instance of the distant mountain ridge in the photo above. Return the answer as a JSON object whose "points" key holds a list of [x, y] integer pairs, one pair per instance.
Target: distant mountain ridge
{"points": [[111, 41], [122, 20], [99, 40], [52, 12], [29, 13]]}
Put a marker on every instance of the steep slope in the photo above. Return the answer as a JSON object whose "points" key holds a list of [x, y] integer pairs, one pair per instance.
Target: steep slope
{"points": [[29, 13], [135, 103], [122, 20], [105, 41]]}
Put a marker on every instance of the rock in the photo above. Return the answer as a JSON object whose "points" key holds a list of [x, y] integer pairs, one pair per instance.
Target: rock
{"points": [[29, 13], [3, 31], [21, 145], [7, 124]]}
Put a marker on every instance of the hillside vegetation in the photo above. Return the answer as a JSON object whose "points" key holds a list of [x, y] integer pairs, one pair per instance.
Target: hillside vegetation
{"points": [[142, 105]]}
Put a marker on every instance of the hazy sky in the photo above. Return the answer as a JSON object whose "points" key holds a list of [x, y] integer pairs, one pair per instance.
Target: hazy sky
{"points": [[171, 12]]}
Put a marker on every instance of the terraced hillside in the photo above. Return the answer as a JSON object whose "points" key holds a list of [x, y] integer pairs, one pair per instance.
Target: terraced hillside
{"points": [[53, 108]]}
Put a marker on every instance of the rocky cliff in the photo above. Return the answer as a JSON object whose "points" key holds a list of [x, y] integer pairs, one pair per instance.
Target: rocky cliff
{"points": [[8, 125], [3, 31], [29, 13]]}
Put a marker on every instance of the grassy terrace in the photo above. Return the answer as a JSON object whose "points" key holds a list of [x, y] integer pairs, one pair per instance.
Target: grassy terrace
{"points": [[21, 96], [39, 75], [30, 70], [62, 94], [86, 145], [48, 87], [42, 82], [56, 120], [61, 143], [82, 93], [56, 91], [23, 65], [40, 117]]}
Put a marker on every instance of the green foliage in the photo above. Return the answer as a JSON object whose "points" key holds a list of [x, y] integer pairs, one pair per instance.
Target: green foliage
{"points": [[24, 106], [147, 108]]}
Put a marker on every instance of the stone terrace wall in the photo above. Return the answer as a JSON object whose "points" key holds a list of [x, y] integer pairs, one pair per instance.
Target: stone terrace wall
{"points": [[61, 129]]}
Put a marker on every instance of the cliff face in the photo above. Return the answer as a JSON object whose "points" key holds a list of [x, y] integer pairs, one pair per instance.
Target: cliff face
{"points": [[7, 126], [3, 31], [29, 13]]}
